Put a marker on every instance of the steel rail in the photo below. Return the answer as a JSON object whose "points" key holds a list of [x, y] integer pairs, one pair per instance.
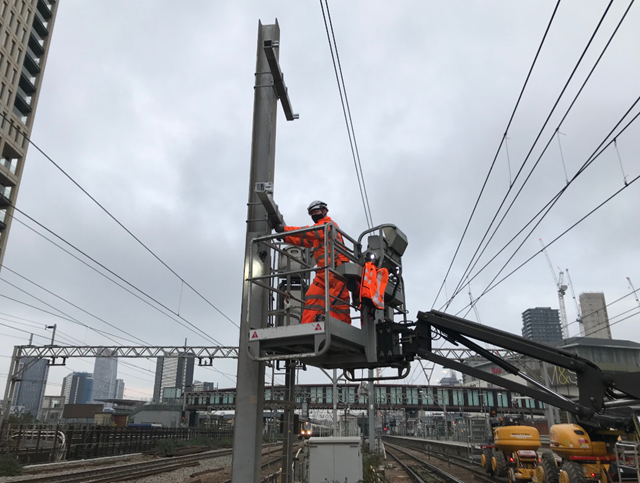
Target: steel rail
{"points": [[434, 469], [131, 469], [412, 474]]}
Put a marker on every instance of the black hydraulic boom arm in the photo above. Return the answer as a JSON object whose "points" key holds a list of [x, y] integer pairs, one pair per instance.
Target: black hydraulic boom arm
{"points": [[594, 385]]}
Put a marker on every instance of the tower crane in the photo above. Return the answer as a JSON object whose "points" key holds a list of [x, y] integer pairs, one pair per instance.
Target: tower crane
{"points": [[635, 294], [562, 289], [576, 303], [475, 308]]}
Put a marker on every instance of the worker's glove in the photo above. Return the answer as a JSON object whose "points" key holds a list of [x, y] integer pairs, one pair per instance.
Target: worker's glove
{"points": [[279, 228]]}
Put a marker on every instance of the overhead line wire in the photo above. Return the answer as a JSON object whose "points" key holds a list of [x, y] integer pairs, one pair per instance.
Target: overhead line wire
{"points": [[347, 114], [473, 263], [503, 140], [491, 287], [595, 155], [64, 300], [194, 327], [102, 332], [122, 226]]}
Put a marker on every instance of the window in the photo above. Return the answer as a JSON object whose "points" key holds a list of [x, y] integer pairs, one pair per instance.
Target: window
{"points": [[13, 76], [329, 396], [458, 397], [23, 35], [381, 395], [502, 399], [11, 19], [4, 9], [13, 47], [443, 396], [23, 8], [487, 397], [6, 69], [18, 25], [412, 395], [6, 39], [474, 398]]}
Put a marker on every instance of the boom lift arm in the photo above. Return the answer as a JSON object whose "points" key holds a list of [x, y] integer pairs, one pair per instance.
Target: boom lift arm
{"points": [[596, 387]]}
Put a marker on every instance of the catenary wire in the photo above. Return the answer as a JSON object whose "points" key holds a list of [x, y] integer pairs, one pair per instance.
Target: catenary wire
{"points": [[193, 326], [64, 300], [102, 332], [492, 285], [347, 114], [93, 268], [472, 264], [542, 213], [71, 303], [503, 140], [123, 227]]}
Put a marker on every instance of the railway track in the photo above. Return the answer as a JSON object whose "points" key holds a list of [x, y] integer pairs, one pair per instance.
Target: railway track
{"points": [[130, 470], [438, 473]]}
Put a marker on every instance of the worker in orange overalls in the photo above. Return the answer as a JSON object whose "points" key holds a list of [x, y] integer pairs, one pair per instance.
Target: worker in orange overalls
{"points": [[314, 304]]}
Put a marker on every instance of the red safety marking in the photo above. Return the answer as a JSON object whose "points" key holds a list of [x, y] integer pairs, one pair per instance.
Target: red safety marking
{"points": [[255, 335], [318, 327]]}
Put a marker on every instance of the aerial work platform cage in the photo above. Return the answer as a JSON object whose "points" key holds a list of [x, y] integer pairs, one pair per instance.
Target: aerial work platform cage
{"points": [[286, 271]]}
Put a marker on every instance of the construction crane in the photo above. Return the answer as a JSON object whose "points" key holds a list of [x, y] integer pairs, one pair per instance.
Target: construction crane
{"points": [[562, 289], [473, 304], [635, 294], [576, 303]]}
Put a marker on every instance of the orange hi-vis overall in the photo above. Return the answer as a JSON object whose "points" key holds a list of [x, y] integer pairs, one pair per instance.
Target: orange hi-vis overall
{"points": [[374, 283], [314, 298]]}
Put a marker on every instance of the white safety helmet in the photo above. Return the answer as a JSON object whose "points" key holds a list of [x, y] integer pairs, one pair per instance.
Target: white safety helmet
{"points": [[317, 205]]}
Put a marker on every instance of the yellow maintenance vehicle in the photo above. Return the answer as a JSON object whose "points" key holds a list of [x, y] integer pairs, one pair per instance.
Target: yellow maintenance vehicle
{"points": [[587, 456], [513, 453]]}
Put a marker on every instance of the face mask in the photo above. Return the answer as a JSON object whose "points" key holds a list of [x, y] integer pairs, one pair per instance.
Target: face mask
{"points": [[317, 218]]}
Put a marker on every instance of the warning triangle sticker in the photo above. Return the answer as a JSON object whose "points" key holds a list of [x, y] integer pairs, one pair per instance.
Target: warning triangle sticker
{"points": [[254, 335], [318, 327]]}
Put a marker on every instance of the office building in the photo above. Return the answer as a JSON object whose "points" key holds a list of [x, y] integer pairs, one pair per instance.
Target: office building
{"points": [[52, 408], [105, 373], [29, 391], [25, 36], [77, 388], [119, 388], [541, 324], [595, 319], [173, 372], [203, 386]]}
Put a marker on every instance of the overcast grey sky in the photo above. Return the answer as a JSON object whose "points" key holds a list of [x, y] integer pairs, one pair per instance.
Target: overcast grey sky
{"points": [[148, 105]]}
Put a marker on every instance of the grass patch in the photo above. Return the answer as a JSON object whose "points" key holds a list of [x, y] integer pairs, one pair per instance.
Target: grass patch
{"points": [[10, 466]]}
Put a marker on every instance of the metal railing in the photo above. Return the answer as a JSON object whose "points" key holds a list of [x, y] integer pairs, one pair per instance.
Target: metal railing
{"points": [[627, 459], [286, 270]]}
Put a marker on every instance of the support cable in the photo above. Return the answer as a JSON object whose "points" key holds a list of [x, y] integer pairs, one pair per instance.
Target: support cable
{"points": [[122, 225], [464, 279], [67, 318], [624, 176], [491, 285], [201, 332], [503, 140], [337, 67]]}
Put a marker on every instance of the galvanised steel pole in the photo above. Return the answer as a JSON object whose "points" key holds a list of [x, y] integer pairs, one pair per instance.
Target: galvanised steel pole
{"points": [[11, 383], [250, 385], [372, 412]]}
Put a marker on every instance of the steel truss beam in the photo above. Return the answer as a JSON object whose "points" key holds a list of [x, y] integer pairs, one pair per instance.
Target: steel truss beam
{"points": [[55, 352]]}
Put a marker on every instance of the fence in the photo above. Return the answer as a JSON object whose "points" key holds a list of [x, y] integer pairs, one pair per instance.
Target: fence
{"points": [[46, 443]]}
